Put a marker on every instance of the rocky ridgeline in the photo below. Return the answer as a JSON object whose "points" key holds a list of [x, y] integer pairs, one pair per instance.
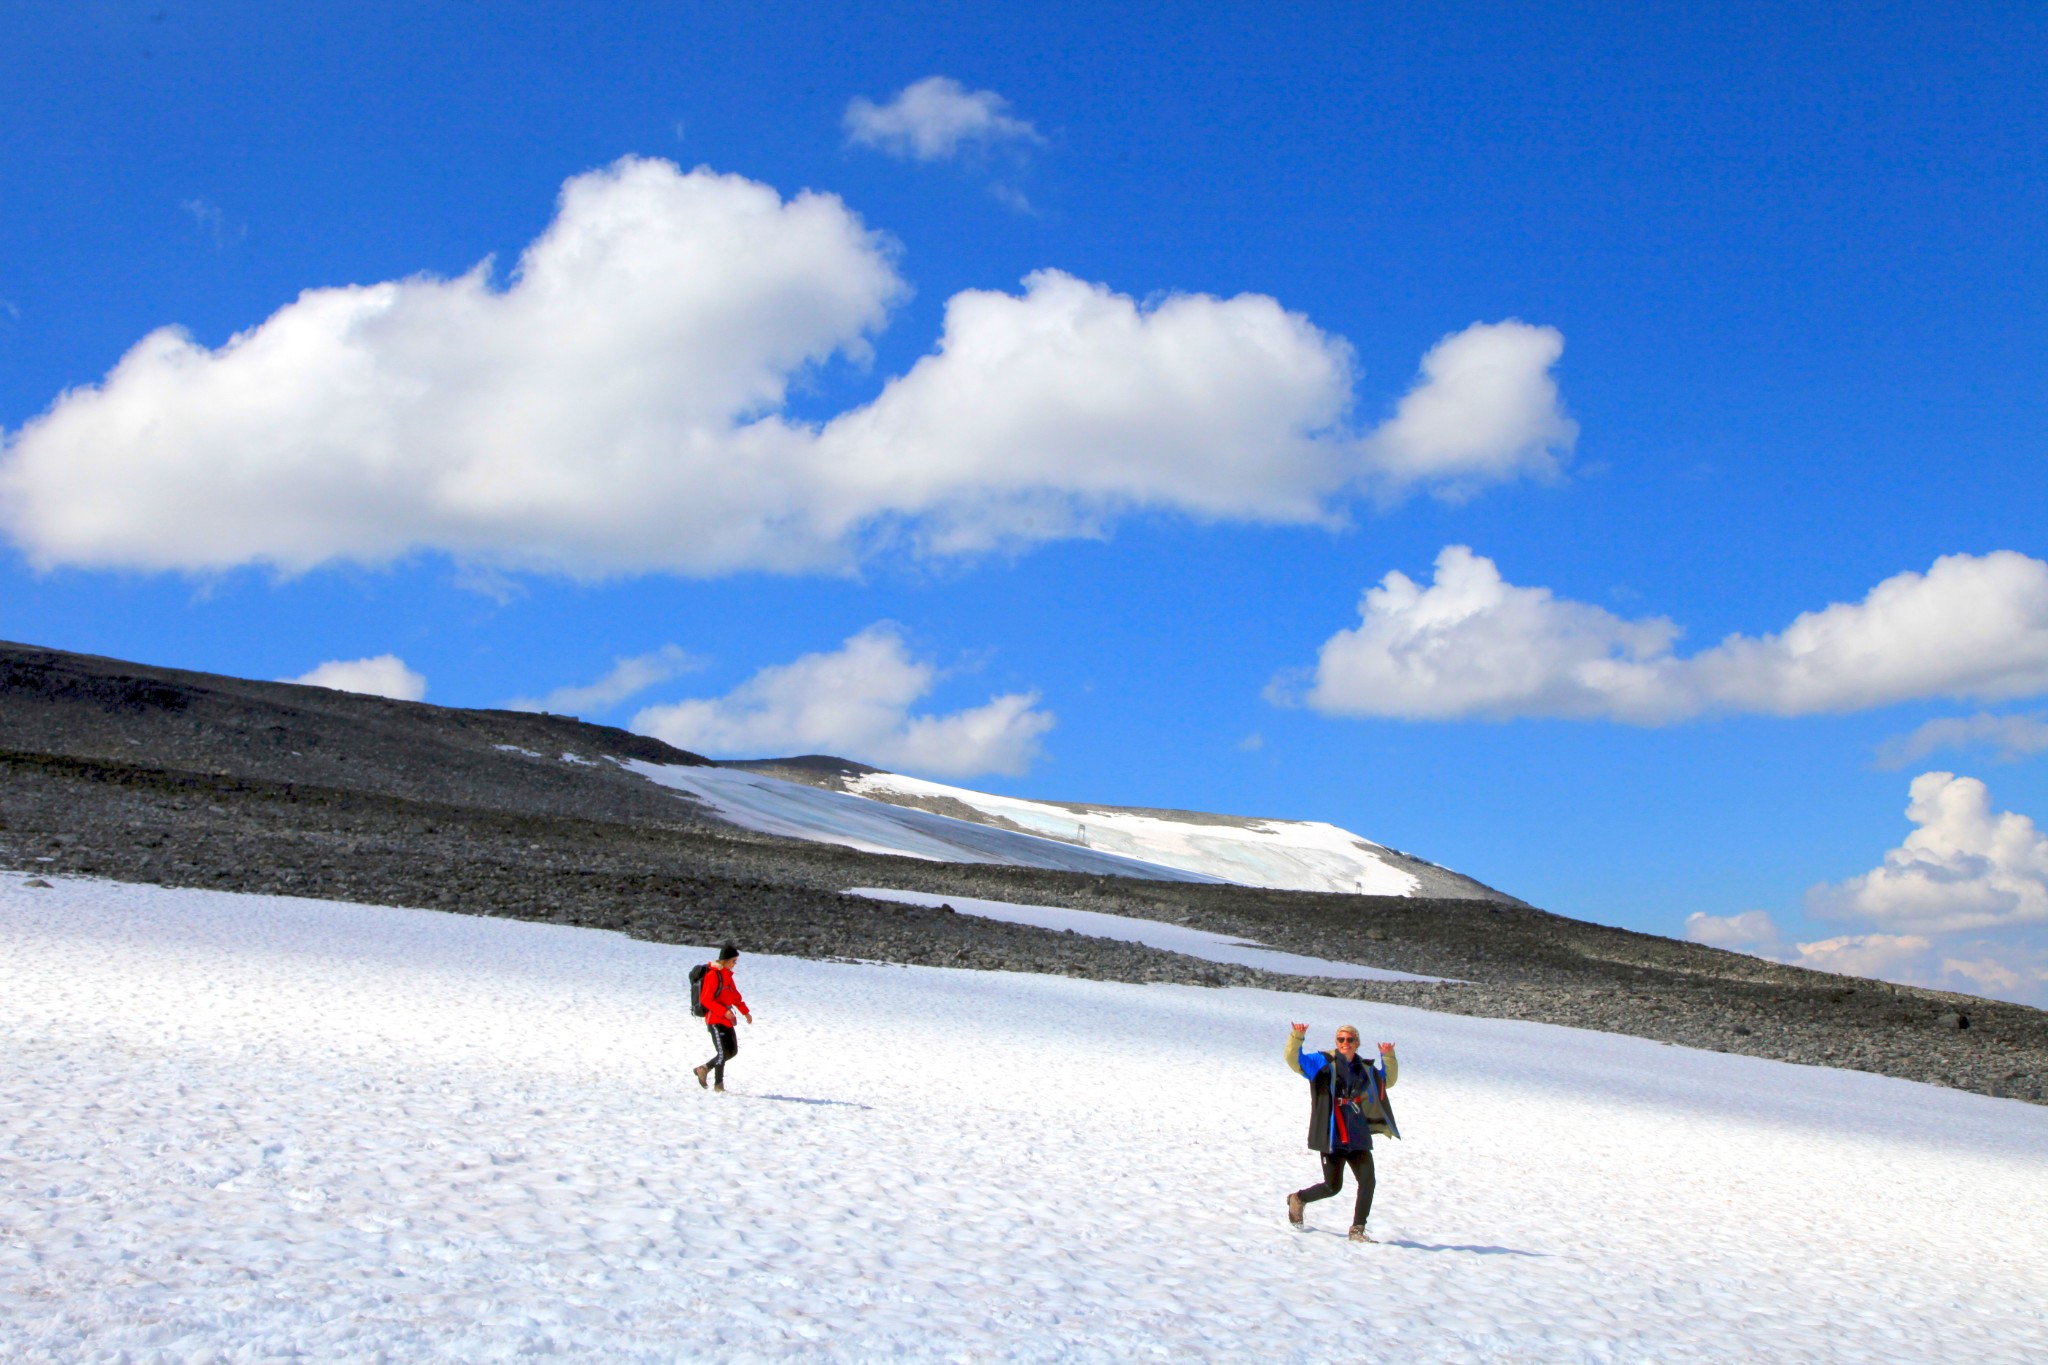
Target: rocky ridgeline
{"points": [[183, 780]]}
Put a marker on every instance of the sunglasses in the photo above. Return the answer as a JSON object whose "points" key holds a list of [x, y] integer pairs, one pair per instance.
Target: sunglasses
{"points": [[1346, 1038]]}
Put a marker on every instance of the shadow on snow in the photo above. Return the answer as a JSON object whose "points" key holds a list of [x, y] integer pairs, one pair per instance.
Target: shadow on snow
{"points": [[1475, 1250], [800, 1099]]}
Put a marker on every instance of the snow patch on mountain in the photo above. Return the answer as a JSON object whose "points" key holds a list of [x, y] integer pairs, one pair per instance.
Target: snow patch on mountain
{"points": [[1287, 855], [772, 806]]}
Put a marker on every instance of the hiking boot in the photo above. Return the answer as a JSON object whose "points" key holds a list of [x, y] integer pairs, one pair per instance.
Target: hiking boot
{"points": [[700, 1073], [1294, 1209], [1359, 1234], [718, 1086]]}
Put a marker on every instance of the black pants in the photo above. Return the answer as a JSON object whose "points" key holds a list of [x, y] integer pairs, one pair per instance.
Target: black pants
{"points": [[725, 1046], [1333, 1181]]}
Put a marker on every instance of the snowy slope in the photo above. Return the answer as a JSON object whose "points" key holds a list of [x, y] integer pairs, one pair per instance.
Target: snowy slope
{"points": [[239, 1127], [881, 812], [1290, 855], [773, 806]]}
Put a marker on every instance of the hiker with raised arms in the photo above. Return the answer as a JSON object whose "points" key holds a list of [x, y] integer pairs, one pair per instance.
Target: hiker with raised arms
{"points": [[1347, 1105], [715, 998]]}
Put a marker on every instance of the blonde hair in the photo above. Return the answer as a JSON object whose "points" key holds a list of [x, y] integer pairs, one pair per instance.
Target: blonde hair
{"points": [[1351, 1029]]}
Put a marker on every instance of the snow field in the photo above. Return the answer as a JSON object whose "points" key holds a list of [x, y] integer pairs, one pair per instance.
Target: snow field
{"points": [[793, 810], [1291, 855], [240, 1127]]}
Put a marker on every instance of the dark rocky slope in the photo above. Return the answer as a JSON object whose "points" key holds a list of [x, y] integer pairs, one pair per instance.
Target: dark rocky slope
{"points": [[178, 778]]}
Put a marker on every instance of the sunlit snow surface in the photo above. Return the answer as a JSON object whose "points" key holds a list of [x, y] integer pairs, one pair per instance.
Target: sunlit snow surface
{"points": [[1290, 855], [237, 1127], [1174, 938], [773, 806], [1294, 855]]}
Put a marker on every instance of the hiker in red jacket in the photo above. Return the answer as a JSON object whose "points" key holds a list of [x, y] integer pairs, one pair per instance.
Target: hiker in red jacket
{"points": [[720, 998]]}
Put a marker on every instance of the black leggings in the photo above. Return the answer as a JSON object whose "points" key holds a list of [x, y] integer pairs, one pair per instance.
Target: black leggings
{"points": [[1333, 1181], [725, 1046]]}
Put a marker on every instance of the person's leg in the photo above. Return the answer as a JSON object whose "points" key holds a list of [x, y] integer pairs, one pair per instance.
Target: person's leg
{"points": [[723, 1045], [1361, 1170], [1333, 1180]]}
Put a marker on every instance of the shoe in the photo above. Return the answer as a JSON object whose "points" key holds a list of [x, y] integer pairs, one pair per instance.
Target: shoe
{"points": [[718, 1086], [1294, 1209], [1359, 1234], [699, 1073]]}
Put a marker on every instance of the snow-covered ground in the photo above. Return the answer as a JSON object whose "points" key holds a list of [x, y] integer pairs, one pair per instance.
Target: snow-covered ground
{"points": [[1174, 938], [773, 806], [245, 1128], [1289, 855]]}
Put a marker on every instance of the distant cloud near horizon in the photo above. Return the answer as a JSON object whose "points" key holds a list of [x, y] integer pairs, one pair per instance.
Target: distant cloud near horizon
{"points": [[1966, 867], [385, 675], [855, 702], [617, 407], [1907, 958], [628, 678], [934, 120], [1471, 644], [1961, 904]]}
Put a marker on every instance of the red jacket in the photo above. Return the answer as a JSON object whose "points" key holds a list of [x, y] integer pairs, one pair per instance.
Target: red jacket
{"points": [[721, 997]]}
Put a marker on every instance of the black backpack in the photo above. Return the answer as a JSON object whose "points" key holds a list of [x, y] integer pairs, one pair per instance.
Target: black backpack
{"points": [[697, 989]]}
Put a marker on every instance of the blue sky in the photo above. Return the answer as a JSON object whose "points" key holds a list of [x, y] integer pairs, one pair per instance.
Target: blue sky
{"points": [[1790, 254]]}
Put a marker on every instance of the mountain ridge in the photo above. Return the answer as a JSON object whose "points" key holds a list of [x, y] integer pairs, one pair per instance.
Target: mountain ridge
{"points": [[176, 778]]}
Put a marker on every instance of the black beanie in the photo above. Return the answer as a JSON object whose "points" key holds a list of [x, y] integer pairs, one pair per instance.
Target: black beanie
{"points": [[728, 951]]}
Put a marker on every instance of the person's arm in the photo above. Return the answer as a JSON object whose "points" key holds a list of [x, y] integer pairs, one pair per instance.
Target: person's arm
{"points": [[1391, 1064], [729, 994], [1310, 1066]]}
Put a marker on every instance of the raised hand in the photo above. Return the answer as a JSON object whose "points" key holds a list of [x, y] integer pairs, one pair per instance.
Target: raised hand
{"points": [[1299, 1028]]}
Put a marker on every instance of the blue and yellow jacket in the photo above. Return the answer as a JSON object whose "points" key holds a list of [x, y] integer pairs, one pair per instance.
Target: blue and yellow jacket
{"points": [[1347, 1101]]}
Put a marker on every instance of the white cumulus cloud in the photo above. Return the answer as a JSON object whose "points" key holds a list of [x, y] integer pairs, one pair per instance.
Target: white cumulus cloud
{"points": [[1960, 905], [1486, 409], [383, 676], [1966, 867], [1472, 644], [617, 406], [933, 120], [1046, 414], [595, 415], [628, 677], [855, 702]]}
